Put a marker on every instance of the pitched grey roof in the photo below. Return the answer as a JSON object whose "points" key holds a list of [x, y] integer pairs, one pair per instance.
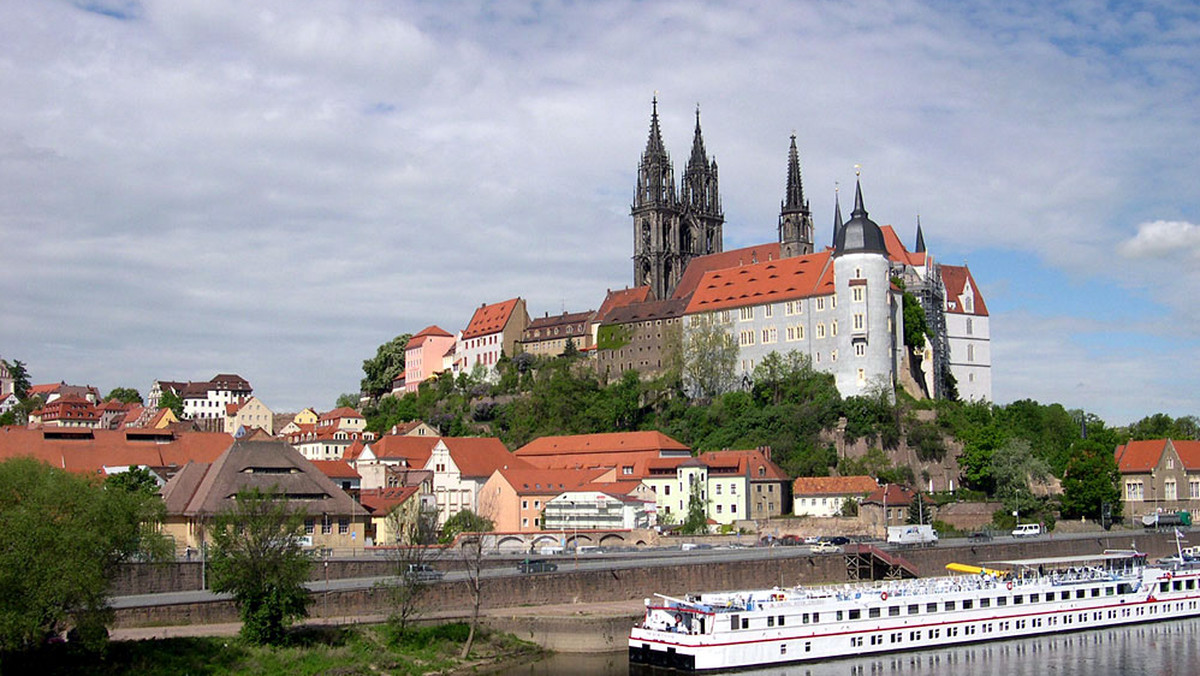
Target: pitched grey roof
{"points": [[202, 489]]}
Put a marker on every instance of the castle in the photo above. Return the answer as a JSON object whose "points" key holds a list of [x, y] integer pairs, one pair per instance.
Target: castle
{"points": [[840, 306]]}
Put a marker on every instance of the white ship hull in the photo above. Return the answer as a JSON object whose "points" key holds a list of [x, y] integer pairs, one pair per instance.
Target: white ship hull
{"points": [[777, 626]]}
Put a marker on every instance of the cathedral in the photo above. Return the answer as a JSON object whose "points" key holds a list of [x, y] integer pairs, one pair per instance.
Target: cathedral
{"points": [[839, 306]]}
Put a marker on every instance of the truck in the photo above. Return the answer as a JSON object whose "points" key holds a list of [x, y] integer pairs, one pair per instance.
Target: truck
{"points": [[916, 535]]}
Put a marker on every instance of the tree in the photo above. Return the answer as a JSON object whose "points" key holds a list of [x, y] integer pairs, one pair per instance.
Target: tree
{"points": [[134, 480], [61, 535], [415, 530], [471, 527], [20, 376], [172, 401], [465, 521], [920, 510], [383, 368], [347, 400], [1091, 479], [696, 522], [256, 556], [1013, 466], [709, 357], [125, 395]]}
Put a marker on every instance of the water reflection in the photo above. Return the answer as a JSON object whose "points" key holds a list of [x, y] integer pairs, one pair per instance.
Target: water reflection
{"points": [[1160, 649]]}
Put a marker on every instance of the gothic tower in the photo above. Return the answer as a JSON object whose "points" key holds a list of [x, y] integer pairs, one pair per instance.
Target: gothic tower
{"points": [[670, 231], [795, 218], [700, 202]]}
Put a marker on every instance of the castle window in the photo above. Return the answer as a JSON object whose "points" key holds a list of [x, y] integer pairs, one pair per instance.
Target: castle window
{"points": [[833, 355], [820, 304], [746, 337], [768, 310], [860, 349], [858, 294], [862, 377], [833, 327], [746, 313], [970, 326], [820, 331], [970, 353], [860, 321]]}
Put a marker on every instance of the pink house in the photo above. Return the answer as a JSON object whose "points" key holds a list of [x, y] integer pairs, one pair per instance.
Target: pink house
{"points": [[423, 356]]}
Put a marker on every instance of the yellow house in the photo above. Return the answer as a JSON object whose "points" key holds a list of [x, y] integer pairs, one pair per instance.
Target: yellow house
{"points": [[248, 414]]}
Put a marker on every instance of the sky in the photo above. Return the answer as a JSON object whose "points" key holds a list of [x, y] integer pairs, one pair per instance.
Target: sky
{"points": [[274, 189]]}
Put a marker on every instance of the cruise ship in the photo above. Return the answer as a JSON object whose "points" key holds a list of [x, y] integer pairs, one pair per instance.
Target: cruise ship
{"points": [[1000, 600]]}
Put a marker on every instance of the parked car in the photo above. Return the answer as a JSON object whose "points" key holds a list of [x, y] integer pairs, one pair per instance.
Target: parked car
{"points": [[423, 572], [825, 548], [537, 566], [837, 540], [1027, 530], [980, 536]]}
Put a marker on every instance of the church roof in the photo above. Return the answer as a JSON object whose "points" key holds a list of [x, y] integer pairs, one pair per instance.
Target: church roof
{"points": [[701, 265], [860, 234], [621, 298], [770, 282], [655, 309]]}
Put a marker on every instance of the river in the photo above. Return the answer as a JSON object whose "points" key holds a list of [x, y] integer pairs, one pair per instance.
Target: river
{"points": [[1156, 649]]}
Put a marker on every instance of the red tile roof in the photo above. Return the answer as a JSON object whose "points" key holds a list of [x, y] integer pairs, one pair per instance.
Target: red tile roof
{"points": [[381, 501], [955, 278], [480, 456], [895, 495], [896, 250], [536, 481], [338, 413], [427, 332], [610, 442], [621, 298], [746, 463], [336, 469], [88, 451], [1189, 453], [653, 309], [733, 258], [770, 282], [416, 450], [834, 485], [489, 319]]}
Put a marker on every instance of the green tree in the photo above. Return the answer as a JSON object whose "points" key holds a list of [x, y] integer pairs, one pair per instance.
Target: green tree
{"points": [[1091, 479], [465, 521], [1013, 466], [61, 536], [383, 368], [696, 522], [709, 357], [125, 395], [172, 401], [920, 510], [256, 557], [347, 400], [134, 480], [20, 376]]}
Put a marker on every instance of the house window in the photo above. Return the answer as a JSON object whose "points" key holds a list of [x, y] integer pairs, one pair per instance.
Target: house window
{"points": [[970, 353], [768, 311], [820, 304], [970, 326], [1134, 491], [310, 526], [746, 337], [627, 469], [820, 330], [524, 504], [833, 327], [860, 321], [718, 489], [326, 526], [343, 525], [1194, 488], [1169, 492], [860, 349], [746, 313]]}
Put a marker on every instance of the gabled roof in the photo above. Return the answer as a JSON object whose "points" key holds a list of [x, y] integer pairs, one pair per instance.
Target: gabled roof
{"points": [[833, 485], [255, 464], [896, 251], [479, 456], [609, 442], [891, 494], [339, 413], [563, 319], [427, 332], [701, 265], [621, 298], [770, 282], [416, 450], [489, 319], [955, 278], [1140, 457], [744, 462]]}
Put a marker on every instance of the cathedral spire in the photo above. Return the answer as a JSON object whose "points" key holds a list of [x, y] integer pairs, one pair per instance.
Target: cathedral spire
{"points": [[656, 177], [699, 158], [837, 213], [920, 236], [795, 219], [859, 210]]}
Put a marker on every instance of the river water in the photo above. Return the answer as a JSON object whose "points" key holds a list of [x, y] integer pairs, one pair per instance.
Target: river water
{"points": [[1158, 649]]}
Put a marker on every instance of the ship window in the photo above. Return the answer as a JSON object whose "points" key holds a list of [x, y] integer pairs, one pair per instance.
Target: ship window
{"points": [[839, 616], [1191, 584], [808, 646], [770, 620], [816, 617], [1109, 591], [1125, 588], [967, 603], [1162, 587], [914, 609], [781, 620], [745, 623], [1082, 593], [1018, 600], [734, 622], [1034, 598], [873, 612], [1001, 601], [1096, 590], [1178, 587], [985, 603], [782, 648], [1065, 596], [804, 618], [931, 607], [855, 614], [914, 636], [893, 611], [949, 605]]}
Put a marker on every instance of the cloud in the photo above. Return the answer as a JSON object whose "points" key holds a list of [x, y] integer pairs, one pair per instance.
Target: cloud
{"points": [[1163, 239]]}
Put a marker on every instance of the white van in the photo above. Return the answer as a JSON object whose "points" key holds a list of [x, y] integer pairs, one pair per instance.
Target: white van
{"points": [[1027, 530]]}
